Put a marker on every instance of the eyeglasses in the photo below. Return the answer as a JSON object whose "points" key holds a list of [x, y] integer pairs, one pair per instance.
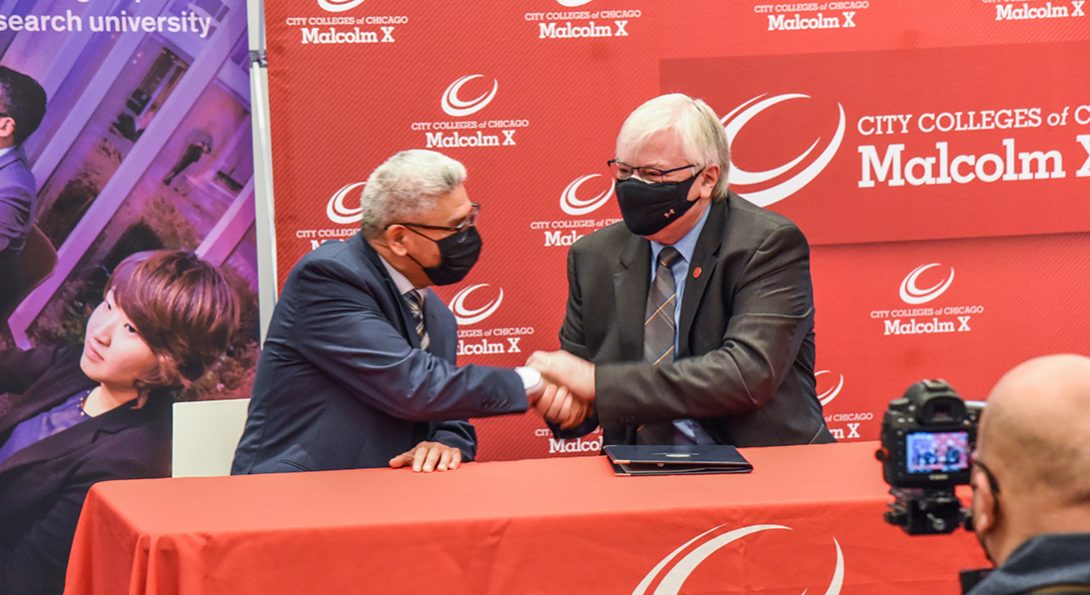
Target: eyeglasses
{"points": [[993, 483], [460, 229], [651, 175]]}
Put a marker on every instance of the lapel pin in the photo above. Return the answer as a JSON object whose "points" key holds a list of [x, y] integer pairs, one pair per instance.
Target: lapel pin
{"points": [[696, 273]]}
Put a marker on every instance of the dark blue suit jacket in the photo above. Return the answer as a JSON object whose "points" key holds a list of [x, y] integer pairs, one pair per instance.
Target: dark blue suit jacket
{"points": [[42, 487], [342, 383], [18, 192]]}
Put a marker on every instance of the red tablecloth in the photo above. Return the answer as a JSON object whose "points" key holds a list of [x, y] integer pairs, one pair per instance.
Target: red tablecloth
{"points": [[808, 518]]}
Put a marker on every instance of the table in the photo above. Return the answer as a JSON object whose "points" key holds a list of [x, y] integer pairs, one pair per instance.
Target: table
{"points": [[807, 518]]}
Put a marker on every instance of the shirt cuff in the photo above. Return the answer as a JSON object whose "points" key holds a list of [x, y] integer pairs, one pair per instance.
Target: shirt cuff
{"points": [[531, 378]]}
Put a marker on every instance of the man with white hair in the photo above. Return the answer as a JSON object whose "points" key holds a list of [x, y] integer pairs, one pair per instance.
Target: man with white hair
{"points": [[1030, 480], [696, 314], [358, 367]]}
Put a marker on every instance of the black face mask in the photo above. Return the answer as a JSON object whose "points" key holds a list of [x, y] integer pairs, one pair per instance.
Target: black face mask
{"points": [[458, 253], [648, 209]]}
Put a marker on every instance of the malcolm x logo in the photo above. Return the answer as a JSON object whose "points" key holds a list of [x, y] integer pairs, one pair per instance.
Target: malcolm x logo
{"points": [[782, 188], [338, 212], [911, 293], [339, 5], [571, 204], [827, 397], [679, 570], [455, 106], [466, 315]]}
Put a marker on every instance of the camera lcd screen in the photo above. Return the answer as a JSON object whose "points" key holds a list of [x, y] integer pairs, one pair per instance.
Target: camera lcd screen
{"points": [[937, 452]]}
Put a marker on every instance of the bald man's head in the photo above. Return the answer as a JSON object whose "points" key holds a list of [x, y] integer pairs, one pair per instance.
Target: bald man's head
{"points": [[1036, 426], [1035, 439]]}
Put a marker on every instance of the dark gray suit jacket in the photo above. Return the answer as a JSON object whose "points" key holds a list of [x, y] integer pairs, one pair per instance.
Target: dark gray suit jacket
{"points": [[745, 362], [342, 383]]}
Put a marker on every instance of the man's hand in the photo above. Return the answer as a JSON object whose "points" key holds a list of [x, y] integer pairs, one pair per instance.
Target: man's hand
{"points": [[557, 405], [564, 369], [428, 456]]}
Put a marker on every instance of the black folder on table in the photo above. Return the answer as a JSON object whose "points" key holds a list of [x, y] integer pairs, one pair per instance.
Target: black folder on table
{"points": [[689, 459]]}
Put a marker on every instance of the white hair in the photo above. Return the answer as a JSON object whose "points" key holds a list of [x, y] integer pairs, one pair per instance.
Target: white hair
{"points": [[697, 128], [407, 185]]}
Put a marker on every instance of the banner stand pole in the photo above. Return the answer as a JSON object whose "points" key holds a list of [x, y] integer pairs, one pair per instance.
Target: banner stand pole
{"points": [[265, 225]]}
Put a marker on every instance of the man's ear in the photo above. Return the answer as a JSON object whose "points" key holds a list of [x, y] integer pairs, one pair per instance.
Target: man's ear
{"points": [[7, 131], [396, 237], [984, 505], [709, 176]]}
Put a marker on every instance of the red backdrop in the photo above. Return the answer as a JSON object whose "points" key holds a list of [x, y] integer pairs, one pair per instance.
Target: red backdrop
{"points": [[936, 154]]}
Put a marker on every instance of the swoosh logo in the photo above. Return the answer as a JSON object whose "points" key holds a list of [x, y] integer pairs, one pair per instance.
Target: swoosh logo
{"points": [[466, 315], [911, 293], [453, 104], [827, 397], [740, 178], [338, 212], [339, 5], [677, 575], [571, 204]]}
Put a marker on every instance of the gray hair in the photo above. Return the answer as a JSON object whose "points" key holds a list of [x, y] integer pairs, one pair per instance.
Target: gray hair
{"points": [[698, 129], [405, 186]]}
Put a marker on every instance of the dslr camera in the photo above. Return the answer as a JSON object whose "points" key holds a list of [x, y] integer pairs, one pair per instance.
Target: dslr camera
{"points": [[927, 438]]}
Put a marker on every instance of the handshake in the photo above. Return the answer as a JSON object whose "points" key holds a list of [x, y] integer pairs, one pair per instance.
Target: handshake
{"points": [[567, 396]]}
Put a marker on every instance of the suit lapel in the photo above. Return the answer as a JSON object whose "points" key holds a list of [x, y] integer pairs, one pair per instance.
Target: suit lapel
{"points": [[434, 324], [82, 435], [701, 269], [630, 286], [403, 315], [53, 447], [65, 380]]}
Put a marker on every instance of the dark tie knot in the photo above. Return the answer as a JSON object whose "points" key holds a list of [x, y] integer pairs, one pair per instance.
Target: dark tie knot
{"points": [[668, 257]]}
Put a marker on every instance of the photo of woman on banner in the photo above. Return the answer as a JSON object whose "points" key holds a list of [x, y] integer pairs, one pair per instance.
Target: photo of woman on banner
{"points": [[71, 417]]}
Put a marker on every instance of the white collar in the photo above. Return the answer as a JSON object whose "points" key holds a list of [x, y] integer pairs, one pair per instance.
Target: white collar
{"points": [[401, 281]]}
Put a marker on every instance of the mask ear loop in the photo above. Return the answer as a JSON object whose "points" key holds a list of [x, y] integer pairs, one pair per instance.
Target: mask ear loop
{"points": [[410, 255]]}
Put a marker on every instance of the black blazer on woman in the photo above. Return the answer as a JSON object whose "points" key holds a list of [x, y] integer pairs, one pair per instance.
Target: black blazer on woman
{"points": [[42, 487]]}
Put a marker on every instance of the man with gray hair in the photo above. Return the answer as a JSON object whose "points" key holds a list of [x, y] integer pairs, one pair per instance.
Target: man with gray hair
{"points": [[358, 367], [1031, 489], [693, 321]]}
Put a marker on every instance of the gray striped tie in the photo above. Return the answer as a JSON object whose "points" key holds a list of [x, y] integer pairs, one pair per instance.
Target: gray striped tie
{"points": [[658, 335], [415, 303], [658, 321]]}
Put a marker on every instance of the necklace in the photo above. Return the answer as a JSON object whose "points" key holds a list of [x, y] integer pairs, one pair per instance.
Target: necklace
{"points": [[83, 402]]}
